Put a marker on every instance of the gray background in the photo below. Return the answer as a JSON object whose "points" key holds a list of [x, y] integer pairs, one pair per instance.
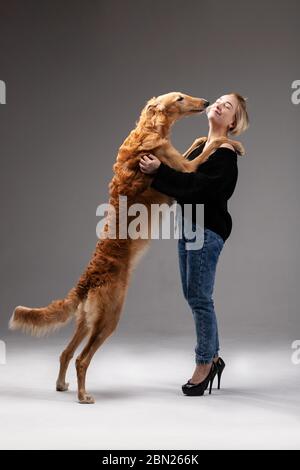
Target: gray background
{"points": [[78, 74]]}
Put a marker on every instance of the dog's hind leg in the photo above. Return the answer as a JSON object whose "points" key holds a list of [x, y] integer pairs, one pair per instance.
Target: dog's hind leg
{"points": [[106, 320], [98, 336], [65, 357]]}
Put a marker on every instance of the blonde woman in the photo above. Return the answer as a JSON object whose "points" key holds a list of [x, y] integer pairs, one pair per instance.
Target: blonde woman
{"points": [[212, 185]]}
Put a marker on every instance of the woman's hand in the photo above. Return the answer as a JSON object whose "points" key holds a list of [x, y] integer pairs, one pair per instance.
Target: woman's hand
{"points": [[149, 164]]}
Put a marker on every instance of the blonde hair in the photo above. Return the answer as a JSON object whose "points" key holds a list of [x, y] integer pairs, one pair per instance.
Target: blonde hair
{"points": [[241, 118]]}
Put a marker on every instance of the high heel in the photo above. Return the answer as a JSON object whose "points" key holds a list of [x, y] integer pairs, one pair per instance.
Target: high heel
{"points": [[199, 389], [220, 367]]}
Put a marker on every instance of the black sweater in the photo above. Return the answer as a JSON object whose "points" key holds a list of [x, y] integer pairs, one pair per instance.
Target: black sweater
{"points": [[212, 185]]}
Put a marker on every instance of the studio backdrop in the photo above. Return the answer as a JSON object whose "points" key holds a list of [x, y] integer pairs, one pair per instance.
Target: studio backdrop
{"points": [[74, 77]]}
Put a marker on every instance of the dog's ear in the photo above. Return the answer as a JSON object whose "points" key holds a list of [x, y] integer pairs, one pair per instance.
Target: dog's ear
{"points": [[154, 105], [151, 103], [160, 107], [150, 108]]}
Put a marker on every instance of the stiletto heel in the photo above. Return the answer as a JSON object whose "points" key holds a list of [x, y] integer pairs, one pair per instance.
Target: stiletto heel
{"points": [[219, 379], [211, 382], [220, 367]]}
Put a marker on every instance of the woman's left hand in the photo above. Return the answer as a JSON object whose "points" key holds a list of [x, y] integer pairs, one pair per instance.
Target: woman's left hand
{"points": [[149, 164]]}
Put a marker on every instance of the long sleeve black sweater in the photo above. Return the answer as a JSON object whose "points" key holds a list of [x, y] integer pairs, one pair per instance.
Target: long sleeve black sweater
{"points": [[212, 185]]}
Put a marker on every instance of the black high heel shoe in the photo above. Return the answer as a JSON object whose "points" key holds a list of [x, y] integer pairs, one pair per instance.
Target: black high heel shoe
{"points": [[199, 389], [220, 367]]}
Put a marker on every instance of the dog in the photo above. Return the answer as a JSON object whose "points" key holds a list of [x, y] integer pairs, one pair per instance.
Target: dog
{"points": [[96, 301]]}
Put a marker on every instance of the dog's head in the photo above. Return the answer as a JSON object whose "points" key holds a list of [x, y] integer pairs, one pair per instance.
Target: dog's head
{"points": [[175, 105]]}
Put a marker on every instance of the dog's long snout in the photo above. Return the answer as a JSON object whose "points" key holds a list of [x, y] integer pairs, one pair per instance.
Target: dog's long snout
{"points": [[206, 103]]}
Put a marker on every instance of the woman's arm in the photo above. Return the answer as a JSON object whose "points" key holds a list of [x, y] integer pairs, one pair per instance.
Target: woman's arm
{"points": [[197, 186]]}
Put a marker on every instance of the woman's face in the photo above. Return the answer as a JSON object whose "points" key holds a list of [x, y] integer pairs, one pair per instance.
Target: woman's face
{"points": [[222, 111]]}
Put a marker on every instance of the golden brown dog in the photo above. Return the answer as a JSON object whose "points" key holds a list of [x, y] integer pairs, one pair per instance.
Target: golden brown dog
{"points": [[97, 299]]}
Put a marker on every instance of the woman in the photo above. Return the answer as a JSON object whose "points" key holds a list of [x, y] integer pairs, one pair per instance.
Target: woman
{"points": [[212, 185]]}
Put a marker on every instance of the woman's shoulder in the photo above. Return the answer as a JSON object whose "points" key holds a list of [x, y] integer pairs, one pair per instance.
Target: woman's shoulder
{"points": [[228, 146], [226, 150], [224, 156]]}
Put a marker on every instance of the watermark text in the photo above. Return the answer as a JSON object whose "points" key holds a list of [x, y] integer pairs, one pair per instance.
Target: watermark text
{"points": [[154, 221]]}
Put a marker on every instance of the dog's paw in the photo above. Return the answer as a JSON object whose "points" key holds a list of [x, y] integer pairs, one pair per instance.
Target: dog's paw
{"points": [[87, 399], [62, 386]]}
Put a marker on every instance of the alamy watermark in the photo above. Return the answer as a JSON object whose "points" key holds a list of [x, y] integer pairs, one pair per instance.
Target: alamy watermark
{"points": [[2, 353], [2, 92], [295, 358], [157, 221], [295, 97]]}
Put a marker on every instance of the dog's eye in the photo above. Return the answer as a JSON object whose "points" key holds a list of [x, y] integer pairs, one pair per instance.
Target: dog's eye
{"points": [[180, 98]]}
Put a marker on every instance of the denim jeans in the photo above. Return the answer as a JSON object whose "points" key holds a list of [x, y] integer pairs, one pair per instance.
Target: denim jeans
{"points": [[197, 272]]}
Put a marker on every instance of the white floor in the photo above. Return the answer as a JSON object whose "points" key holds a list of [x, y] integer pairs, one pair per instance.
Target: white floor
{"points": [[139, 402]]}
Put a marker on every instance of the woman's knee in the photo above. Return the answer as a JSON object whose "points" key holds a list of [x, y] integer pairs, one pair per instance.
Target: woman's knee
{"points": [[202, 300]]}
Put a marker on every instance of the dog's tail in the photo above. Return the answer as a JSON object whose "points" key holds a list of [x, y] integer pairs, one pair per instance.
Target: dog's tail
{"points": [[40, 321]]}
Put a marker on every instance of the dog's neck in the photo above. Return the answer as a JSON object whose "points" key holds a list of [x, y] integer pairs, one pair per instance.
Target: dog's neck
{"points": [[158, 123], [164, 127]]}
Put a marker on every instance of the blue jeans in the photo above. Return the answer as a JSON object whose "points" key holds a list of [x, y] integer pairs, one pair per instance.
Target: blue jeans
{"points": [[197, 272]]}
